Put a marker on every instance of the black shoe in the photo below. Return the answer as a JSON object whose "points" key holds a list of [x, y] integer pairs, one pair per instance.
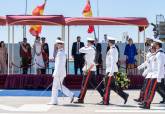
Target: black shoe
{"points": [[137, 100], [145, 106], [162, 102], [79, 102], [126, 99]]}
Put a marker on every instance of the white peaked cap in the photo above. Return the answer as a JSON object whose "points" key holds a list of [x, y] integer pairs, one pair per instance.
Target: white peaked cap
{"points": [[157, 40], [111, 38], [59, 41], [90, 39]]}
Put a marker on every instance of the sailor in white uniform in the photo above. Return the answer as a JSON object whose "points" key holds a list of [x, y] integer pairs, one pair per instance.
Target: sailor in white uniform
{"points": [[147, 64], [111, 70], [89, 69], [59, 75], [157, 75]]}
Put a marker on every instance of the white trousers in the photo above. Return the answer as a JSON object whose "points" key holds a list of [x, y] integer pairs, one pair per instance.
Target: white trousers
{"points": [[58, 85]]}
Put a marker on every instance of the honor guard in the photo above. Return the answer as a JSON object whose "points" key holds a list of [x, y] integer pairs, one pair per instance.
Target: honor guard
{"points": [[157, 75], [111, 71], [147, 73], [59, 74], [89, 70]]}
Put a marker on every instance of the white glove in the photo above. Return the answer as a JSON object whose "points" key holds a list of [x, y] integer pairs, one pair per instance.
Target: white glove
{"points": [[145, 73], [159, 80]]}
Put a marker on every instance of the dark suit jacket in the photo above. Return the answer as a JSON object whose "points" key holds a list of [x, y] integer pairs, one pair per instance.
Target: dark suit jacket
{"points": [[74, 48], [98, 56]]}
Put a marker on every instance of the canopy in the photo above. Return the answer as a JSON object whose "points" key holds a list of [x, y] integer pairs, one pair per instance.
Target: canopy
{"points": [[2, 20], [35, 20], [140, 22]]}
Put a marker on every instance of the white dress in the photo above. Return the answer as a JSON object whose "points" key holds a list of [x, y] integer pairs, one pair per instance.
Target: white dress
{"points": [[38, 59]]}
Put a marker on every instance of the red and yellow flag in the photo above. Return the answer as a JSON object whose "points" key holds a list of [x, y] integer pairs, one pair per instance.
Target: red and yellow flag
{"points": [[87, 12], [35, 30]]}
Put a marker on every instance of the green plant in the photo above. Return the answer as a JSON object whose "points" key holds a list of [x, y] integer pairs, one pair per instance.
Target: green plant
{"points": [[122, 80]]}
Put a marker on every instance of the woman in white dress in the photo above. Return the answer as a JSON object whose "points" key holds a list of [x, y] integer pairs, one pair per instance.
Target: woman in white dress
{"points": [[38, 59]]}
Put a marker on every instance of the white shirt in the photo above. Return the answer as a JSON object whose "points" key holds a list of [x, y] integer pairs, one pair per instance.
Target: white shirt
{"points": [[147, 64], [60, 64], [159, 66], [150, 65], [89, 57], [111, 61]]}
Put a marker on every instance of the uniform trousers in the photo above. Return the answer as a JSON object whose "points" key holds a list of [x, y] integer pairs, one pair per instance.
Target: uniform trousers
{"points": [[143, 89], [90, 79], [110, 85], [153, 87], [58, 85]]}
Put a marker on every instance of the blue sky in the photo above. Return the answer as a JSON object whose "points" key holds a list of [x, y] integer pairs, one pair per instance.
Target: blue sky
{"points": [[73, 8]]}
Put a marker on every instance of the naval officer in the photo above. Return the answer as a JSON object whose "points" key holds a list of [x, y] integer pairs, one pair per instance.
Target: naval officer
{"points": [[147, 72], [158, 72], [89, 70], [59, 75], [111, 70]]}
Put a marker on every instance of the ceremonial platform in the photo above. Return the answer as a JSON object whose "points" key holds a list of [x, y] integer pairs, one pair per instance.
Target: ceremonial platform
{"points": [[18, 81]]}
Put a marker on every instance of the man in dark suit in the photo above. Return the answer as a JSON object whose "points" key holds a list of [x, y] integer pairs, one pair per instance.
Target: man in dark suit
{"points": [[45, 54], [77, 56], [98, 58]]}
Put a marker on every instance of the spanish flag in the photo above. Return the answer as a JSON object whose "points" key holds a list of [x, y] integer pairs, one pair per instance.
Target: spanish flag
{"points": [[39, 10], [87, 12], [35, 30]]}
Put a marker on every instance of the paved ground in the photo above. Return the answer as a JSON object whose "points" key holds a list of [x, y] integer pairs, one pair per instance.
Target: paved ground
{"points": [[38, 105]]}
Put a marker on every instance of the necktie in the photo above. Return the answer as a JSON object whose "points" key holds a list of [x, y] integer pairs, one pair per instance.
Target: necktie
{"points": [[78, 47]]}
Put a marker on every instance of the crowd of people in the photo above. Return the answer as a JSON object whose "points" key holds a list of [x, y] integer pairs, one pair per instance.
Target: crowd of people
{"points": [[38, 55], [154, 72], [130, 52], [40, 52]]}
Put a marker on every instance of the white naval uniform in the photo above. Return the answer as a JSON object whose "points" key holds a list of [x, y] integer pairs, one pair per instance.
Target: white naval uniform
{"points": [[158, 66], [59, 74], [111, 61], [89, 57], [148, 64], [157, 74]]}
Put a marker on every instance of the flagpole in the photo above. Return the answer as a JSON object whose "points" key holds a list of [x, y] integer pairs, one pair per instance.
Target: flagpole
{"points": [[95, 33], [24, 26], [98, 29]]}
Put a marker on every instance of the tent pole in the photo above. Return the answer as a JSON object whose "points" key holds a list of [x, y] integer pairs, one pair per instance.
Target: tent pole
{"points": [[12, 49], [139, 47], [144, 36], [63, 33], [8, 48], [68, 49]]}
